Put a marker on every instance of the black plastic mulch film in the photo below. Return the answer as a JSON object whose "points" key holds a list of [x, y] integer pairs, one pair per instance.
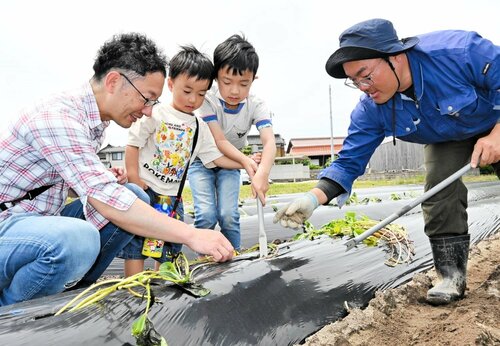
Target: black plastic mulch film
{"points": [[276, 301]]}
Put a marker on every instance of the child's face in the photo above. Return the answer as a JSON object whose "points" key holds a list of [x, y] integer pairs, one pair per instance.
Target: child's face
{"points": [[234, 88], [188, 93]]}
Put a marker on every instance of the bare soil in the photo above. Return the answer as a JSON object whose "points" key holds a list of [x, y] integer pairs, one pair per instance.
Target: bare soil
{"points": [[402, 317]]}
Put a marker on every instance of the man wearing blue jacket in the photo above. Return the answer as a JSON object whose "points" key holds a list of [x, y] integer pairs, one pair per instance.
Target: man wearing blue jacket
{"points": [[440, 89]]}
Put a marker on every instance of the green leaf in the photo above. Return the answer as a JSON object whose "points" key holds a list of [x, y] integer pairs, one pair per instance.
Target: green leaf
{"points": [[169, 271], [139, 325], [299, 236], [350, 216], [395, 197], [167, 267], [308, 226], [371, 241]]}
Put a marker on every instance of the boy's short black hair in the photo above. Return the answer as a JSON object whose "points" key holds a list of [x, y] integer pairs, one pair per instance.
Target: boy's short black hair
{"points": [[131, 52], [191, 61], [238, 54]]}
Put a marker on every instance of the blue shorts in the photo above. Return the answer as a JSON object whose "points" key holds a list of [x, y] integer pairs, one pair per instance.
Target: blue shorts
{"points": [[134, 249]]}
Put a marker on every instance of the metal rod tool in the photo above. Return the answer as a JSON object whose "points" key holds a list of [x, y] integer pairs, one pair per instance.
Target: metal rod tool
{"points": [[262, 231], [353, 242], [260, 213]]}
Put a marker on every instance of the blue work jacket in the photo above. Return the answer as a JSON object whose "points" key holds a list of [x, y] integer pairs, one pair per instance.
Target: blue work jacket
{"points": [[456, 78]]}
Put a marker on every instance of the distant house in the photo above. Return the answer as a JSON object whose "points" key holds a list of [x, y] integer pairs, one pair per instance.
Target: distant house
{"points": [[318, 149], [386, 158], [115, 156], [112, 156], [280, 143]]}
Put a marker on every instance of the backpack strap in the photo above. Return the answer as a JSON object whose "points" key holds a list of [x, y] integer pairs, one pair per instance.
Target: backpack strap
{"points": [[184, 175], [30, 195]]}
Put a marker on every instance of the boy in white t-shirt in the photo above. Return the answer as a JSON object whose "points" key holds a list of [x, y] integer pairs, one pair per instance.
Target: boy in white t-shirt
{"points": [[230, 112], [159, 147]]}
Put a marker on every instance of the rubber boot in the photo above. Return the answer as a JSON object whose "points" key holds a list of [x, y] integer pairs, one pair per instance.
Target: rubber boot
{"points": [[450, 261]]}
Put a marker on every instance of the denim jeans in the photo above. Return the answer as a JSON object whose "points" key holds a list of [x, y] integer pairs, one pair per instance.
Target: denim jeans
{"points": [[215, 195], [42, 255], [113, 238], [133, 250]]}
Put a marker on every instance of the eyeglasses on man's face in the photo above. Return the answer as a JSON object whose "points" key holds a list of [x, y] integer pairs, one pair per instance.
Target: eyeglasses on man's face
{"points": [[364, 82], [147, 102]]}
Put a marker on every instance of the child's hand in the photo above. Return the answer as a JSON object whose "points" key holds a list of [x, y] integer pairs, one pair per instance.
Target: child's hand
{"points": [[250, 166], [256, 157], [120, 174], [260, 186]]}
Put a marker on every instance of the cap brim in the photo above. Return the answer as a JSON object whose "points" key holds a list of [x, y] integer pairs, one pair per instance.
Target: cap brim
{"points": [[345, 54]]}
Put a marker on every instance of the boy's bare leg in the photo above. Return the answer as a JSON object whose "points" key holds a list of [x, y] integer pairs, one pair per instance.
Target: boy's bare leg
{"points": [[157, 265], [133, 266]]}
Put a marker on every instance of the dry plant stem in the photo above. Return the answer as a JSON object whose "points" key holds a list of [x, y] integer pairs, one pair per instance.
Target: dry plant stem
{"points": [[396, 246], [387, 239]]}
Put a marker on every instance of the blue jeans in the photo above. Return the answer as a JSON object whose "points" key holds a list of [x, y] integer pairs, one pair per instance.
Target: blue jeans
{"points": [[215, 195], [113, 238], [133, 250], [43, 255]]}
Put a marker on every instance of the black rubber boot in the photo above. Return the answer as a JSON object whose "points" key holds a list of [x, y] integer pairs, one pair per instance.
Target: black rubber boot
{"points": [[450, 261]]}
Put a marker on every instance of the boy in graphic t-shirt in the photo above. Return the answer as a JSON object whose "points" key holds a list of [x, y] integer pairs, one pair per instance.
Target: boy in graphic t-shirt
{"points": [[159, 147], [230, 111]]}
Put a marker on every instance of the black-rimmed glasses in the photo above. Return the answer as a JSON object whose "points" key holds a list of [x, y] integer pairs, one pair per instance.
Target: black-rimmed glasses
{"points": [[147, 102]]}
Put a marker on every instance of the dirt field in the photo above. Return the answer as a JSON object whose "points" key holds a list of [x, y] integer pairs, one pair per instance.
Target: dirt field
{"points": [[401, 316]]}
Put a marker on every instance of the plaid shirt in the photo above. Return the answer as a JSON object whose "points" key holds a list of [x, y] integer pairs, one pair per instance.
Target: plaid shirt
{"points": [[56, 142]]}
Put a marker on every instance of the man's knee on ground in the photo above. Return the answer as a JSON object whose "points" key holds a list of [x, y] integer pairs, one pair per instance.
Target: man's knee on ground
{"points": [[78, 246]]}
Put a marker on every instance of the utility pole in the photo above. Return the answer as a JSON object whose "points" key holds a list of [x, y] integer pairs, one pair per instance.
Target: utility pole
{"points": [[331, 124]]}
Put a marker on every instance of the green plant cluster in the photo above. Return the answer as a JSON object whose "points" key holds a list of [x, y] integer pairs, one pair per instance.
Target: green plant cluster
{"points": [[354, 199], [177, 272], [392, 235]]}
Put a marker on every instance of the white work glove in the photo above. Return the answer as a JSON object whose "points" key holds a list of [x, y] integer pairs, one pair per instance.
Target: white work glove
{"points": [[296, 212]]}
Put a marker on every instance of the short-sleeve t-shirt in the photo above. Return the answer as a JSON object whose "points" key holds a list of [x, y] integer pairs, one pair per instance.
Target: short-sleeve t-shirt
{"points": [[236, 123], [165, 140]]}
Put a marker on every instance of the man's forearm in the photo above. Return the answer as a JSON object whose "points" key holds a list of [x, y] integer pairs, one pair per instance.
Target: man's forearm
{"points": [[143, 220]]}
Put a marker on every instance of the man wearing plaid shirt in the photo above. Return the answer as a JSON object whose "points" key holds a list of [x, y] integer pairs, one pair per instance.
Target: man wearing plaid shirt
{"points": [[45, 246]]}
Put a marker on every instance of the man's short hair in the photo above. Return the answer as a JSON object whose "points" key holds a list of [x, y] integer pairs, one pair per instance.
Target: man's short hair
{"points": [[131, 52], [237, 54], [191, 61]]}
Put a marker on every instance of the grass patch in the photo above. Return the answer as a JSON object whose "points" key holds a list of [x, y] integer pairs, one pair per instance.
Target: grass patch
{"points": [[304, 186]]}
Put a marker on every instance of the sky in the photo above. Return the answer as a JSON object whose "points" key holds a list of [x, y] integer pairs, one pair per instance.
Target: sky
{"points": [[49, 46]]}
